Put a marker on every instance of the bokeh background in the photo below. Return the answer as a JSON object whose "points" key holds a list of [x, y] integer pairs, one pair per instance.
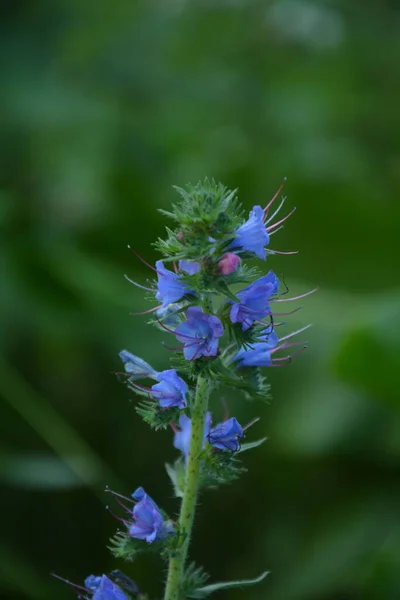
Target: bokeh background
{"points": [[106, 105]]}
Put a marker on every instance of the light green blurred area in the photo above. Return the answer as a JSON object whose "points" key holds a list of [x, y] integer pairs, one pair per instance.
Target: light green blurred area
{"points": [[106, 105]]}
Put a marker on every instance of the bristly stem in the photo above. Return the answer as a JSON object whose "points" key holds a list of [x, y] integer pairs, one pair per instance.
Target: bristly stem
{"points": [[188, 506]]}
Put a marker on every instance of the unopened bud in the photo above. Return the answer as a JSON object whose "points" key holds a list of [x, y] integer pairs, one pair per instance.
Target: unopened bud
{"points": [[229, 263]]}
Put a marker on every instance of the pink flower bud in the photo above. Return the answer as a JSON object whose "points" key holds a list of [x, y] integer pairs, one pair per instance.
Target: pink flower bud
{"points": [[180, 236], [229, 263]]}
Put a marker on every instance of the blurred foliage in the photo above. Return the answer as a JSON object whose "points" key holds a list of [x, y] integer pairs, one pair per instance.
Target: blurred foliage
{"points": [[106, 105]]}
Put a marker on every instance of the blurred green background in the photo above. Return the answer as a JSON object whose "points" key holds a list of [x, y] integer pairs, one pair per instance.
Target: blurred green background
{"points": [[106, 105]]}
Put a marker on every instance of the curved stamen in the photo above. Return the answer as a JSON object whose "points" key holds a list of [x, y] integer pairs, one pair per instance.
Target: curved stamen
{"points": [[266, 221], [276, 230], [282, 220], [128, 510], [284, 346], [290, 335], [138, 285], [73, 585], [252, 422], [288, 313], [107, 490], [279, 252], [173, 332], [295, 297], [289, 357], [142, 259], [124, 521], [145, 312], [266, 209]]}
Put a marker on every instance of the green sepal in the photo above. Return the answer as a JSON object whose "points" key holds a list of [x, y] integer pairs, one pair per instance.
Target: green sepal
{"points": [[219, 467], [177, 474], [122, 545], [206, 590], [194, 578], [157, 418]]}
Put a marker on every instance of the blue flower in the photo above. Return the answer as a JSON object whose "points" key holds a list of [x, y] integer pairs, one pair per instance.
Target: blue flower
{"points": [[171, 391], [254, 301], [189, 266], [182, 437], [199, 333], [170, 288], [136, 367], [259, 355], [252, 236], [148, 524], [92, 582], [103, 588], [225, 435]]}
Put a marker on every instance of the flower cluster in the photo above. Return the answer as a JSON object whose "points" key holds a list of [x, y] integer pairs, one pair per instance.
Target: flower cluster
{"points": [[222, 313]]}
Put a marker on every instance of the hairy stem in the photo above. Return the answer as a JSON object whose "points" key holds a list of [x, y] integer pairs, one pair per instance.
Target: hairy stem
{"points": [[188, 506]]}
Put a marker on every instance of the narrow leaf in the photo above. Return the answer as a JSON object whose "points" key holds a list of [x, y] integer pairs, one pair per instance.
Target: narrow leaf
{"points": [[250, 445], [205, 591]]}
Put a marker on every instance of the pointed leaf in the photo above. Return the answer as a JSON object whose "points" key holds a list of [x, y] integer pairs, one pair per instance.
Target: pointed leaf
{"points": [[205, 591], [250, 445], [224, 289]]}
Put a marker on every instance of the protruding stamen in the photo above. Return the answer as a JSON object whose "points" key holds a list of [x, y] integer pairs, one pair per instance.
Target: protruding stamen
{"points": [[269, 251], [288, 313], [284, 346], [119, 495], [270, 203], [146, 312], [290, 335], [252, 422], [124, 521], [295, 297], [138, 284], [73, 585], [289, 357], [282, 220], [276, 230], [275, 213], [142, 259]]}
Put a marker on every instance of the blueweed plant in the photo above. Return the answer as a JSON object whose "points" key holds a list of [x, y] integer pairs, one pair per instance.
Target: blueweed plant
{"points": [[223, 316]]}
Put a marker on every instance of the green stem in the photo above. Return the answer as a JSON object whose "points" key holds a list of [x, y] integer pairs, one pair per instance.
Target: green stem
{"points": [[188, 506]]}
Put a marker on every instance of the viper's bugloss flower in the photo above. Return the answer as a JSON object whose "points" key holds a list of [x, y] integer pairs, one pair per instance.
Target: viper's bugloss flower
{"points": [[171, 391], [252, 236], [229, 263], [259, 355], [148, 523], [170, 287], [254, 301], [92, 582], [136, 367], [199, 333], [189, 266], [98, 587], [182, 437], [225, 435]]}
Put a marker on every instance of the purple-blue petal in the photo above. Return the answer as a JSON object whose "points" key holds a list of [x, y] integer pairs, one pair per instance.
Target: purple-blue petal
{"points": [[252, 236], [190, 267], [108, 590]]}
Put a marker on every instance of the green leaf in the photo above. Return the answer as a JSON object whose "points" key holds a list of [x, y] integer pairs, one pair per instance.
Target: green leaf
{"points": [[205, 591], [177, 473], [224, 289], [251, 445]]}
